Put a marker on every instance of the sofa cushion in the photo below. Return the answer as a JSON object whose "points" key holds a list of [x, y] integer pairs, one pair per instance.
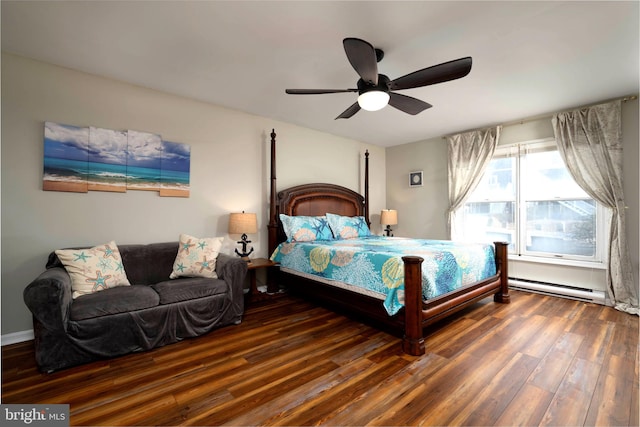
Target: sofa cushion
{"points": [[148, 264], [113, 301], [187, 288], [94, 269], [135, 259], [160, 262]]}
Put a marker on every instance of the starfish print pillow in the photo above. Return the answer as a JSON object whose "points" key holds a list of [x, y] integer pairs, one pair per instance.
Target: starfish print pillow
{"points": [[196, 257], [93, 270]]}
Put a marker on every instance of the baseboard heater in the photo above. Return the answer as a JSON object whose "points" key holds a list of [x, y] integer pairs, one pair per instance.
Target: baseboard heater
{"points": [[553, 289]]}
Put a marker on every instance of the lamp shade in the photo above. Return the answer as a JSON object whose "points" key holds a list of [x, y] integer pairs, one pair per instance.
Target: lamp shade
{"points": [[389, 217], [373, 100], [243, 223]]}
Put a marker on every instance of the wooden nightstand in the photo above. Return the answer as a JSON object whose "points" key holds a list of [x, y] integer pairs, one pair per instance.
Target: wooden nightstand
{"points": [[253, 266]]}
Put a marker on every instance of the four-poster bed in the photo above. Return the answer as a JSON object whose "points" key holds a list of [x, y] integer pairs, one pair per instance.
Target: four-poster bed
{"points": [[318, 199]]}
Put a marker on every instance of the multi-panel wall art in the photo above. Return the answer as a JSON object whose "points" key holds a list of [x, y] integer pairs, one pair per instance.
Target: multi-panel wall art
{"points": [[81, 159]]}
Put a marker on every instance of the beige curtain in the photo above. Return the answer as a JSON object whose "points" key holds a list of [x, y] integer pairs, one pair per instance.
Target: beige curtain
{"points": [[589, 140], [469, 155]]}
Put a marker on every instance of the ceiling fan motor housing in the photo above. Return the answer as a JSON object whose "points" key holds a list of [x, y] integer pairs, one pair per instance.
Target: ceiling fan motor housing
{"points": [[382, 86]]}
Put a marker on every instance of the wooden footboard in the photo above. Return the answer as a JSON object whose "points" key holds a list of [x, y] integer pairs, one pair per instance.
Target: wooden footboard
{"points": [[419, 314], [412, 322]]}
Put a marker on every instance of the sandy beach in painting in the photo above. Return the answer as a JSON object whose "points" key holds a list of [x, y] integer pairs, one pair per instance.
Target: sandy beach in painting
{"points": [[143, 187], [101, 186], [80, 186], [84, 187]]}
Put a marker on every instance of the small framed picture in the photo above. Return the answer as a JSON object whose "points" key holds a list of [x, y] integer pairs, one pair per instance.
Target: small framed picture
{"points": [[415, 179]]}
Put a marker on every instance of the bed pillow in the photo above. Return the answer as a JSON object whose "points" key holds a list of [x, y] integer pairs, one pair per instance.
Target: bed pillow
{"points": [[348, 227], [94, 269], [306, 228], [196, 257]]}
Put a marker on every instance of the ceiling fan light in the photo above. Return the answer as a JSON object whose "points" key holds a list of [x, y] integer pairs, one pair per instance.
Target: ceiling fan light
{"points": [[373, 100]]}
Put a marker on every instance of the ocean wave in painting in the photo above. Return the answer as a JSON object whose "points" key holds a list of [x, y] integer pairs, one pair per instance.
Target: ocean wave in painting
{"points": [[73, 170]]}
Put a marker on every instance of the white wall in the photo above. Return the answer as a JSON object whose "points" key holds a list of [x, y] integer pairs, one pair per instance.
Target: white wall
{"points": [[422, 210], [229, 170]]}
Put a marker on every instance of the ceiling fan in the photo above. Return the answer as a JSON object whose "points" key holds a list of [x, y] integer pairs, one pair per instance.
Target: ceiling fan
{"points": [[377, 90]]}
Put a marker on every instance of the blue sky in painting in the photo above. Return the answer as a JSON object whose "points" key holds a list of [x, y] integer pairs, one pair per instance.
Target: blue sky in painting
{"points": [[130, 149], [65, 141], [176, 156]]}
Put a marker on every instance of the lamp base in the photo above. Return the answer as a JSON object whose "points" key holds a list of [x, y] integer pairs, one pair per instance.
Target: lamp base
{"points": [[388, 230], [244, 254]]}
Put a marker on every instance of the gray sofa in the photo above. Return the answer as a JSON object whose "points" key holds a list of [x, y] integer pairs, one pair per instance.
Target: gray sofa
{"points": [[152, 312]]}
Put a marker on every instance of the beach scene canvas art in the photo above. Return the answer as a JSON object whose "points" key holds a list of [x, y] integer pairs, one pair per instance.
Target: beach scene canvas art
{"points": [[81, 159]]}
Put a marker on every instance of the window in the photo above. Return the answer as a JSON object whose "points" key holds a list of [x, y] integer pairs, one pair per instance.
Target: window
{"points": [[528, 198]]}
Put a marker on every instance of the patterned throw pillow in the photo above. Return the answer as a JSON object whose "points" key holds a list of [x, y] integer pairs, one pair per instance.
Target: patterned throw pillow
{"points": [[197, 257], [306, 228], [94, 269], [348, 227]]}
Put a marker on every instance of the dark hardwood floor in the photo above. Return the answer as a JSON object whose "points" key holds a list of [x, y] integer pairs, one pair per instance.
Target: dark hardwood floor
{"points": [[537, 361]]}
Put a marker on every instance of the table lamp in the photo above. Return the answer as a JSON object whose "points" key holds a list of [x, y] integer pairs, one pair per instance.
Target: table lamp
{"points": [[388, 217], [243, 223]]}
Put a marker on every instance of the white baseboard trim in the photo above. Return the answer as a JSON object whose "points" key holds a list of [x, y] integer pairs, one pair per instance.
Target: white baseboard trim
{"points": [[16, 337]]}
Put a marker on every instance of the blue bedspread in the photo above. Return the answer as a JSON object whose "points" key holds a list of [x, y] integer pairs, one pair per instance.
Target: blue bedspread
{"points": [[375, 263]]}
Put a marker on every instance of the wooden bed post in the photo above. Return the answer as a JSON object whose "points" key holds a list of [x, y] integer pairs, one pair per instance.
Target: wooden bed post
{"points": [[502, 266], [366, 188], [413, 339], [273, 223]]}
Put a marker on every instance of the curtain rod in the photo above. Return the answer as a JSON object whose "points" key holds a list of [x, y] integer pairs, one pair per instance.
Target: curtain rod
{"points": [[550, 115], [531, 119]]}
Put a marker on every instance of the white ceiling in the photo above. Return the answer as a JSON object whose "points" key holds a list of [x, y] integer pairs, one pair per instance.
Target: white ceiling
{"points": [[530, 58]]}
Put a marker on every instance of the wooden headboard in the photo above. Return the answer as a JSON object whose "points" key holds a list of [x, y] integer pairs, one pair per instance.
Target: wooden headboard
{"points": [[312, 200]]}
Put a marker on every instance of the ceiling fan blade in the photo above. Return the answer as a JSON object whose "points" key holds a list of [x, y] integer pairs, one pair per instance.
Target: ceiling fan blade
{"points": [[407, 104], [316, 91], [436, 74], [362, 56], [349, 111]]}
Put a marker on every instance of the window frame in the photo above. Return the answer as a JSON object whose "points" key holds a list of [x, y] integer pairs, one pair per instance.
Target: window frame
{"points": [[518, 151]]}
